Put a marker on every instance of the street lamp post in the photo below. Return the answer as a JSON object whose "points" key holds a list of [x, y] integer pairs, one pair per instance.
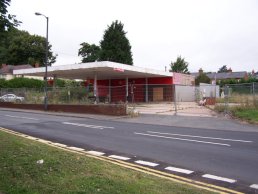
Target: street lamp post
{"points": [[46, 62]]}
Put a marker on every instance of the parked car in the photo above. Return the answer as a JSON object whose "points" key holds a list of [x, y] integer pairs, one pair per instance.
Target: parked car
{"points": [[11, 98]]}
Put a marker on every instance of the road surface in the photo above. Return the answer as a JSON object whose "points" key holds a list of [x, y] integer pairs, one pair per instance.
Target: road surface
{"points": [[222, 153]]}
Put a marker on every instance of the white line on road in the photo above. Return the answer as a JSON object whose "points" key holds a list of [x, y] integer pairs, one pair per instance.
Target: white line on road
{"points": [[60, 144], [239, 140], [29, 137], [43, 141], [181, 170], [210, 176], [88, 126], [254, 186], [119, 157], [146, 163], [192, 140], [22, 117], [96, 153], [76, 149]]}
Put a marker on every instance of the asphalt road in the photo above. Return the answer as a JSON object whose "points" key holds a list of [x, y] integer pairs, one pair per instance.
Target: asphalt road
{"points": [[226, 153]]}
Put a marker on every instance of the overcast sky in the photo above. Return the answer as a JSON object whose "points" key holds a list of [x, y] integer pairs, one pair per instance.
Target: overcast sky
{"points": [[207, 33]]}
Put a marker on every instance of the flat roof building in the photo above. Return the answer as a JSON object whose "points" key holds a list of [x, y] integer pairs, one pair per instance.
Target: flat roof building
{"points": [[115, 81]]}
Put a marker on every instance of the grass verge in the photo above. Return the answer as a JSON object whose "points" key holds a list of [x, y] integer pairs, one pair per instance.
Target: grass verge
{"points": [[65, 172], [245, 113], [249, 114]]}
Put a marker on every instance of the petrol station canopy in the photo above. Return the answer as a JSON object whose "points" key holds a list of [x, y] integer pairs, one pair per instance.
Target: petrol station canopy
{"points": [[103, 70]]}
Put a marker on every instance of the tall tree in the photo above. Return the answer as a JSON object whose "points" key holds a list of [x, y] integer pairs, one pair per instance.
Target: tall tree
{"points": [[223, 69], [89, 52], [7, 21], [115, 46], [23, 48], [180, 66], [202, 78]]}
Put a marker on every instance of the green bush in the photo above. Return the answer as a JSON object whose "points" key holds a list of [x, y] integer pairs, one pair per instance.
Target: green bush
{"points": [[3, 83], [21, 83]]}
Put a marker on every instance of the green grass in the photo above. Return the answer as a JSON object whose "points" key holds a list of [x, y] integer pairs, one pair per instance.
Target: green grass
{"points": [[249, 114], [65, 172], [245, 113]]}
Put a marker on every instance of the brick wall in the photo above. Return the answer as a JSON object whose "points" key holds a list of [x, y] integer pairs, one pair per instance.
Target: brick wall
{"points": [[103, 109]]}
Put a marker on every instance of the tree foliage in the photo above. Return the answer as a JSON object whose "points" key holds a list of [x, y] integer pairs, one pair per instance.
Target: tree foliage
{"points": [[115, 46], [23, 48], [223, 69], [89, 52], [19, 47], [202, 78], [180, 66], [7, 21]]}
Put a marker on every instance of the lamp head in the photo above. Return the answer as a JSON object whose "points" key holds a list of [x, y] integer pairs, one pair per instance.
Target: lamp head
{"points": [[37, 13]]}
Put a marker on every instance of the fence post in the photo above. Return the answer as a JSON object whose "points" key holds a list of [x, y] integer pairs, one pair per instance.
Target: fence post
{"points": [[226, 99], [254, 103], [174, 88]]}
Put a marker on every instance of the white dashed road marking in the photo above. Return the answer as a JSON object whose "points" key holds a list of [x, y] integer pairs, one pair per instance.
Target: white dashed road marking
{"points": [[191, 140], [76, 149], [181, 170], [203, 137], [88, 126], [29, 137], [96, 153], [119, 157], [146, 163], [254, 186], [209, 176], [22, 117], [60, 145]]}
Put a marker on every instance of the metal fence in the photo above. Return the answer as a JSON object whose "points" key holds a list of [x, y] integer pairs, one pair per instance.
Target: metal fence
{"points": [[238, 95], [133, 93]]}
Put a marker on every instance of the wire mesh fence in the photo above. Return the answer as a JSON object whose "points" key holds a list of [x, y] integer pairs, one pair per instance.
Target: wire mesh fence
{"points": [[237, 96], [133, 93], [241, 95]]}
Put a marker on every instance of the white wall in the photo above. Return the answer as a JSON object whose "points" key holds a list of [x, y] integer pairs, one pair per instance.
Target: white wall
{"points": [[209, 90], [185, 93]]}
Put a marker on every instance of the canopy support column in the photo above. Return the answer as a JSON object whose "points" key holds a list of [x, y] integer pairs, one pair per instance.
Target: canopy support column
{"points": [[146, 90], [96, 89], [126, 83]]}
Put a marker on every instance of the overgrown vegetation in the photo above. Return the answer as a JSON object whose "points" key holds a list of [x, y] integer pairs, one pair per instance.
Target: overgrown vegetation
{"points": [[245, 113], [64, 172], [249, 114], [240, 105], [21, 83], [234, 81], [63, 91], [35, 83]]}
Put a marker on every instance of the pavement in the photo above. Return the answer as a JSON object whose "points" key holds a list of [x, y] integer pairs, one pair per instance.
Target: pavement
{"points": [[169, 108]]}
